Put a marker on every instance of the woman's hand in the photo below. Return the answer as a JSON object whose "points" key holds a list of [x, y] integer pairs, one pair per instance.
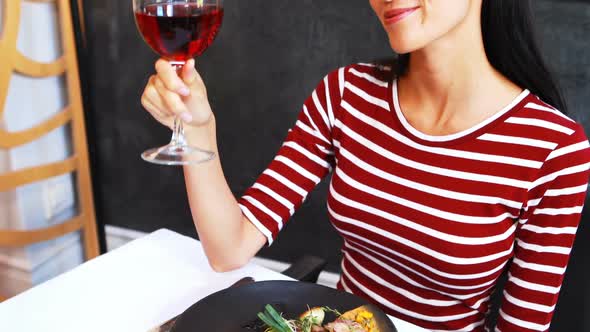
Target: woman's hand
{"points": [[169, 93]]}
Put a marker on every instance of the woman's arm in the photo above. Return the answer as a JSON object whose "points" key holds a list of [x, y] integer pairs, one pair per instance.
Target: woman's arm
{"points": [[233, 233], [228, 238], [545, 237]]}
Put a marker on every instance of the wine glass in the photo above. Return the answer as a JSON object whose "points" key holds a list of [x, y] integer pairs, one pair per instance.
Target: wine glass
{"points": [[178, 30]]}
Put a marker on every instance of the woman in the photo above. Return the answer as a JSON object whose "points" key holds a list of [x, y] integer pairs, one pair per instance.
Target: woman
{"points": [[449, 167]]}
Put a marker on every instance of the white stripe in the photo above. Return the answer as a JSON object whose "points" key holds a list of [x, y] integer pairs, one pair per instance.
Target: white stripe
{"points": [[397, 308], [441, 151], [298, 168], [496, 329], [550, 230], [341, 81], [367, 97], [264, 209], [539, 248], [523, 323], [560, 211], [555, 175], [325, 150], [477, 304], [320, 108], [540, 123], [547, 109], [286, 182], [477, 241], [528, 305], [365, 64], [568, 149], [425, 188], [329, 103], [468, 328], [250, 216], [465, 219], [295, 146], [401, 291], [415, 246], [285, 202], [567, 191], [533, 286], [533, 203], [310, 131], [518, 141], [432, 169], [403, 276], [418, 263], [317, 129], [539, 267], [369, 78]]}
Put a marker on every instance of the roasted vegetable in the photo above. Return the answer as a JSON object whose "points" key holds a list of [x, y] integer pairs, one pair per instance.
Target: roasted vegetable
{"points": [[363, 316], [314, 315], [275, 322]]}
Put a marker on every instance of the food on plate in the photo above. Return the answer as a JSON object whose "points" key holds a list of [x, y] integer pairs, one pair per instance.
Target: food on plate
{"points": [[360, 319]]}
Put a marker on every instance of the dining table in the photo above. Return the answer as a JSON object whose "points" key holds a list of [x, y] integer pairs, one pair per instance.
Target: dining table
{"points": [[134, 288]]}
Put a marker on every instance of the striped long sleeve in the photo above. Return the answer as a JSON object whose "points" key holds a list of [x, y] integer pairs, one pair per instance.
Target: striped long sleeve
{"points": [[545, 237], [306, 156]]}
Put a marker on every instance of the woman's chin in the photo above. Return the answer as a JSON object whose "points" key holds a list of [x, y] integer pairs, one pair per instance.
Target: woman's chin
{"points": [[402, 45]]}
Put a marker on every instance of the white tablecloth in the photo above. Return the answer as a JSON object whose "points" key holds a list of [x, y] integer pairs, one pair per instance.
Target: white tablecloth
{"points": [[133, 288]]}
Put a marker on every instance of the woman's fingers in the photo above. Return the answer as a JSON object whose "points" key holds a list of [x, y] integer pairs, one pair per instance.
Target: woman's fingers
{"points": [[172, 102], [170, 79], [151, 99], [192, 78], [152, 108]]}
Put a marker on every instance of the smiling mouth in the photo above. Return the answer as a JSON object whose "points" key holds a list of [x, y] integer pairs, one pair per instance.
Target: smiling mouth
{"points": [[395, 15]]}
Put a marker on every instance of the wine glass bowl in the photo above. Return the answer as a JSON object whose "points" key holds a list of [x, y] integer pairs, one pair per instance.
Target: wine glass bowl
{"points": [[178, 30]]}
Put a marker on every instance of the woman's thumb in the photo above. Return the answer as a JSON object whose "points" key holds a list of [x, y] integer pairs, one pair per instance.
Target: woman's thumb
{"points": [[189, 73]]}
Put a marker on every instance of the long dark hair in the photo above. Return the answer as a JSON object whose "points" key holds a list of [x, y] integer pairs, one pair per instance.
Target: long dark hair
{"points": [[511, 46]]}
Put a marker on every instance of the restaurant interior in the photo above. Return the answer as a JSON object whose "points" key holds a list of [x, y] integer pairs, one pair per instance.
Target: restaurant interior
{"points": [[92, 234]]}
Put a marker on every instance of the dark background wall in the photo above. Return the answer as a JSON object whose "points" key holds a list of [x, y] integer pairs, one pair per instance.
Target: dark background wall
{"points": [[267, 58]]}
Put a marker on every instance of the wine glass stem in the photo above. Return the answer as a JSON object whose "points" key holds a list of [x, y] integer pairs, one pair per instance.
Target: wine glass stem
{"points": [[178, 133], [178, 139]]}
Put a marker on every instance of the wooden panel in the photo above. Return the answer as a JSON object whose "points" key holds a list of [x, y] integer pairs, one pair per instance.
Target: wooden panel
{"points": [[18, 178], [32, 68], [14, 61], [11, 12], [15, 238], [86, 199], [13, 139]]}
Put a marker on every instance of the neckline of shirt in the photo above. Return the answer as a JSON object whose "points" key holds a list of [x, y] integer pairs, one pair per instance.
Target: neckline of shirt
{"points": [[498, 117]]}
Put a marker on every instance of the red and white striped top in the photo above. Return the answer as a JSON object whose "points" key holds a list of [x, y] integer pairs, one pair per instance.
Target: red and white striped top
{"points": [[430, 222]]}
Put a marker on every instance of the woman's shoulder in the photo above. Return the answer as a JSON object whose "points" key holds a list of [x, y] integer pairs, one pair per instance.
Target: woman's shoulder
{"points": [[563, 129], [378, 70]]}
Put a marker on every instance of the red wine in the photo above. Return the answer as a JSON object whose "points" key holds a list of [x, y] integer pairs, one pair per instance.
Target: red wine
{"points": [[179, 31]]}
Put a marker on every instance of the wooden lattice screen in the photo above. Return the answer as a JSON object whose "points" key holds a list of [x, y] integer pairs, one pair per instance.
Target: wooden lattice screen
{"points": [[12, 60]]}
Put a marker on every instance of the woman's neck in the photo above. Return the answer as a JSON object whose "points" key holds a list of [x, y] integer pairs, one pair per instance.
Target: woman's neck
{"points": [[448, 82]]}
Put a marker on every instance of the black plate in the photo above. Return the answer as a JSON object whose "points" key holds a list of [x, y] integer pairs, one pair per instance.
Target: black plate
{"points": [[234, 309]]}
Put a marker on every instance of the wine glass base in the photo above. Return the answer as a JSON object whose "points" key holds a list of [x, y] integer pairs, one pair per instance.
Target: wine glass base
{"points": [[172, 155]]}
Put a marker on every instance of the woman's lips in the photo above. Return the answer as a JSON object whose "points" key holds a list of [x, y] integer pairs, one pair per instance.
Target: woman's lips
{"points": [[395, 15]]}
